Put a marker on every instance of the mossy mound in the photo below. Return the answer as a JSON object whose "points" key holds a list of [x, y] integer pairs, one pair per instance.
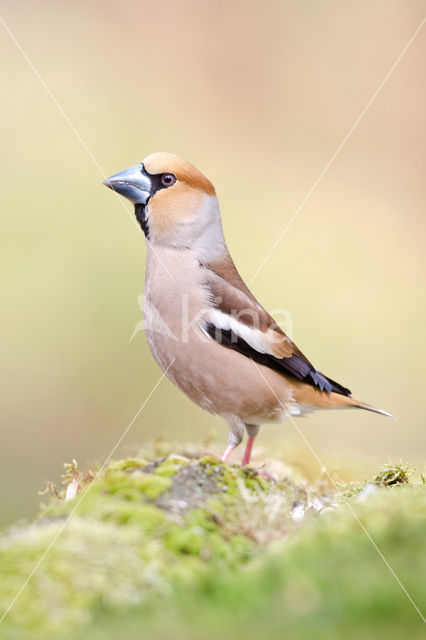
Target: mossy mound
{"points": [[188, 546]]}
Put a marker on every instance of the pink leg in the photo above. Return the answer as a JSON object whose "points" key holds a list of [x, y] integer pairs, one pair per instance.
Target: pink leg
{"points": [[227, 453], [236, 432], [248, 450]]}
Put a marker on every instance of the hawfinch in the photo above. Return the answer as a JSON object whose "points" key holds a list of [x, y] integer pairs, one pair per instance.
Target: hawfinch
{"points": [[204, 327]]}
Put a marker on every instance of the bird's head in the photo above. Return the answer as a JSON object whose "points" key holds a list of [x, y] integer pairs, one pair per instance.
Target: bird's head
{"points": [[175, 204]]}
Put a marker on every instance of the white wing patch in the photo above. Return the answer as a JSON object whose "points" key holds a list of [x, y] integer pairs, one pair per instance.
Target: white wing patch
{"points": [[256, 338]]}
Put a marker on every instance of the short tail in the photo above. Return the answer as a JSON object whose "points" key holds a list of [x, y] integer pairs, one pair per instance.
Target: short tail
{"points": [[361, 405]]}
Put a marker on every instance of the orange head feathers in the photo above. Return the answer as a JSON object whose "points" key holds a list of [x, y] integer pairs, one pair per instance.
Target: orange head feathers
{"points": [[175, 204]]}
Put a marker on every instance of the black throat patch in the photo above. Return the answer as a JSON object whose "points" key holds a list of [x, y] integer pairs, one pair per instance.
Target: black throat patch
{"points": [[140, 209], [141, 217]]}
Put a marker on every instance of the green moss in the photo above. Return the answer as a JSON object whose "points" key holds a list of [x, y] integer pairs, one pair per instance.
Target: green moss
{"points": [[131, 486], [129, 463], [188, 540], [394, 473], [327, 582], [197, 535], [171, 465], [210, 461], [228, 477]]}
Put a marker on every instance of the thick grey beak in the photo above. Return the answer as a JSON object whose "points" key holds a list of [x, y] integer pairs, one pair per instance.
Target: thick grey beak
{"points": [[133, 183]]}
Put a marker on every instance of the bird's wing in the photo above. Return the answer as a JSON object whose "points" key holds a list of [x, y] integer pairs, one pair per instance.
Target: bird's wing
{"points": [[236, 320]]}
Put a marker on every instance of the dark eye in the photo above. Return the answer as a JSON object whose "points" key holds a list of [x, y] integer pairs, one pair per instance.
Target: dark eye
{"points": [[167, 179]]}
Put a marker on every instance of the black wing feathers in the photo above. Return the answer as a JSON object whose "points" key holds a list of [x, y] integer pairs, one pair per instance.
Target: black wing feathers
{"points": [[294, 365]]}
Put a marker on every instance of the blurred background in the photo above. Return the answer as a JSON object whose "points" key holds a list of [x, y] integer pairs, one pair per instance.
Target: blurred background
{"points": [[258, 96]]}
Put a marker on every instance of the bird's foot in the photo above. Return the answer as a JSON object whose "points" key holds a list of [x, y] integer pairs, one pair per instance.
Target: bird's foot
{"points": [[268, 476], [261, 473]]}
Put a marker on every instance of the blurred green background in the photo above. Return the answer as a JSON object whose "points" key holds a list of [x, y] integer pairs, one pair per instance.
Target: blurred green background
{"points": [[258, 96]]}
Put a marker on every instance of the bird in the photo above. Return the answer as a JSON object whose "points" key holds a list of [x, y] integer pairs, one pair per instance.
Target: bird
{"points": [[204, 327]]}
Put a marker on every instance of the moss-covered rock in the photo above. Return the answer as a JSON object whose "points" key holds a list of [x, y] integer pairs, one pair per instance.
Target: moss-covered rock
{"points": [[189, 545]]}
